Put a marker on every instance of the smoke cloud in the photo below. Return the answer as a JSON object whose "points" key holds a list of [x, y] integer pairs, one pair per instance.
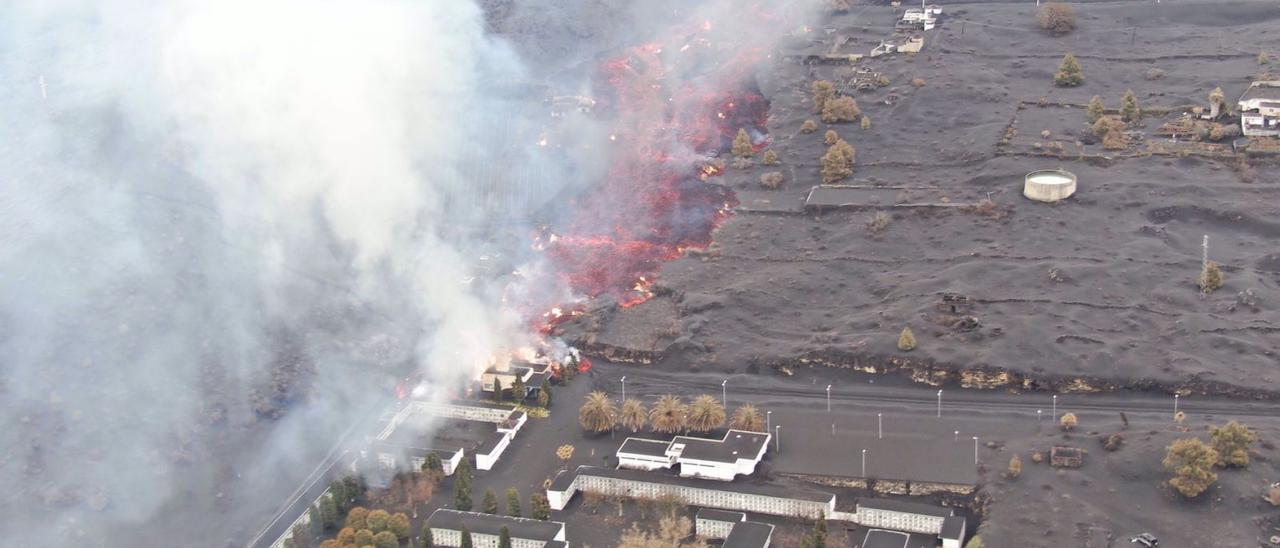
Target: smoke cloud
{"points": [[227, 227]]}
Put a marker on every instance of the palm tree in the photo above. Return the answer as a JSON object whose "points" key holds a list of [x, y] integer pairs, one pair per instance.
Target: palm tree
{"points": [[597, 413], [747, 417], [668, 415], [706, 414], [633, 415]]}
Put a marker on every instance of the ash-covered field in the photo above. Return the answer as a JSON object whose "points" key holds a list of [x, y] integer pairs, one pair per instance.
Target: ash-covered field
{"points": [[1100, 288]]}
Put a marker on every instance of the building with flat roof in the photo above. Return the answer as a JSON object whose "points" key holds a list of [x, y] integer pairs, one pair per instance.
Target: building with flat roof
{"points": [[1259, 107], [447, 526], [899, 515], [749, 534], [953, 531], [736, 496], [716, 524], [737, 453]]}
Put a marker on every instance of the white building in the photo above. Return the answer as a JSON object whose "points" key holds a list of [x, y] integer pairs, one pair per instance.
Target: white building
{"points": [[737, 453], [902, 516], [749, 534], [504, 376], [1260, 109], [710, 523], [737, 496], [485, 529], [397, 445]]}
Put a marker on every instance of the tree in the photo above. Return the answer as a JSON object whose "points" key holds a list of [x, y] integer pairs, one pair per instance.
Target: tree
{"points": [[364, 537], [747, 417], [1015, 467], [1216, 98], [830, 137], [817, 539], [328, 512], [386, 539], [1210, 277], [975, 542], [513, 502], [1069, 72], [539, 507], [377, 521], [1095, 110], [772, 180], [809, 126], [906, 341], [316, 522], [518, 391], [1057, 19], [301, 537], [544, 394], [1129, 110], [837, 163], [356, 518], [706, 414], [822, 91], [346, 536], [1191, 461], [1068, 421], [462, 487], [565, 454], [490, 502], [668, 415], [770, 158], [840, 109], [504, 538], [672, 531], [425, 539], [1232, 442], [634, 416], [742, 146], [398, 524], [597, 413], [1263, 58], [866, 122], [433, 463], [466, 539], [331, 543]]}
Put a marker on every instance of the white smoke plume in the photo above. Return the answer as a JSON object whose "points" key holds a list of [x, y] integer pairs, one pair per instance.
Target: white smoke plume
{"points": [[224, 225]]}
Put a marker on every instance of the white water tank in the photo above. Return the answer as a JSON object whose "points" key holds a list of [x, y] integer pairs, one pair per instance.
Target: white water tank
{"points": [[1049, 185]]}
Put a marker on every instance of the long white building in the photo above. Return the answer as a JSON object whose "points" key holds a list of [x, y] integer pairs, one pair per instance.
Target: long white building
{"points": [[737, 453], [447, 527]]}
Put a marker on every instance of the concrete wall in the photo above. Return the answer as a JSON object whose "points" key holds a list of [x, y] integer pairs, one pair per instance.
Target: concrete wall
{"points": [[452, 538], [695, 496]]}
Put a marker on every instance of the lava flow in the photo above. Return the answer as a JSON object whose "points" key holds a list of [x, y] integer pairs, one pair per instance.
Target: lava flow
{"points": [[655, 202]]}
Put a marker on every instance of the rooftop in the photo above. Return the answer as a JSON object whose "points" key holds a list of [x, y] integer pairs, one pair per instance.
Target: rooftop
{"points": [[490, 524], [1263, 89], [736, 444], [749, 534], [640, 446], [712, 514], [953, 528], [880, 538], [905, 507], [564, 479]]}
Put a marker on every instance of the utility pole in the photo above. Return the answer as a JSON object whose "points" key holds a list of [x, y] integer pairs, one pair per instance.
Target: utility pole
{"points": [[880, 425], [777, 438], [1055, 408], [939, 402], [864, 464], [975, 450], [1175, 405], [768, 420], [724, 392], [828, 398], [624, 389]]}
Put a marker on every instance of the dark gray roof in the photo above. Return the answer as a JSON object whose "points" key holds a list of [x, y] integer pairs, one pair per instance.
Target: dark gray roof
{"points": [[880, 538], [555, 544], [490, 443], [713, 514], [638, 446], [905, 507], [566, 478], [490, 524], [953, 528], [749, 534], [736, 444], [1263, 91]]}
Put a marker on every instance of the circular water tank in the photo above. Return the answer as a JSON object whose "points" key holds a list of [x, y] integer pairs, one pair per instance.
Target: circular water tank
{"points": [[1049, 185]]}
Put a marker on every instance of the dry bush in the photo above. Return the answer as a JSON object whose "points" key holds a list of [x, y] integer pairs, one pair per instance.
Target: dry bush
{"points": [[772, 180], [866, 122], [770, 158], [809, 126], [1058, 19], [1069, 74], [1037, 457], [1068, 421], [917, 82], [878, 222], [837, 163], [840, 109], [1273, 496], [1015, 467], [1263, 58], [987, 208], [742, 146], [1155, 74], [907, 340], [822, 92], [830, 137], [1210, 277], [1112, 442], [1045, 134], [1096, 110]]}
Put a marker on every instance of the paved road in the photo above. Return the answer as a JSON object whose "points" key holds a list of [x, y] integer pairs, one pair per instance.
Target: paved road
{"points": [[852, 389], [318, 479]]}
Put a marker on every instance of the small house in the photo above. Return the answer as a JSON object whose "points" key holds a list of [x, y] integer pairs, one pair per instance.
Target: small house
{"points": [[1260, 109]]}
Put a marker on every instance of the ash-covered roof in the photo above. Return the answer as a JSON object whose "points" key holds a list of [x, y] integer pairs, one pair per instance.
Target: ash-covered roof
{"points": [[905, 507], [640, 446], [736, 444], [565, 479], [492, 524], [749, 534]]}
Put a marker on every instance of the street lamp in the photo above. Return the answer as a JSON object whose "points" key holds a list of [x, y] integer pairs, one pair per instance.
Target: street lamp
{"points": [[975, 450], [828, 398], [864, 464], [880, 425], [957, 434], [624, 388], [724, 392], [777, 438], [939, 402], [1055, 408], [768, 420], [1039, 415], [1175, 404]]}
